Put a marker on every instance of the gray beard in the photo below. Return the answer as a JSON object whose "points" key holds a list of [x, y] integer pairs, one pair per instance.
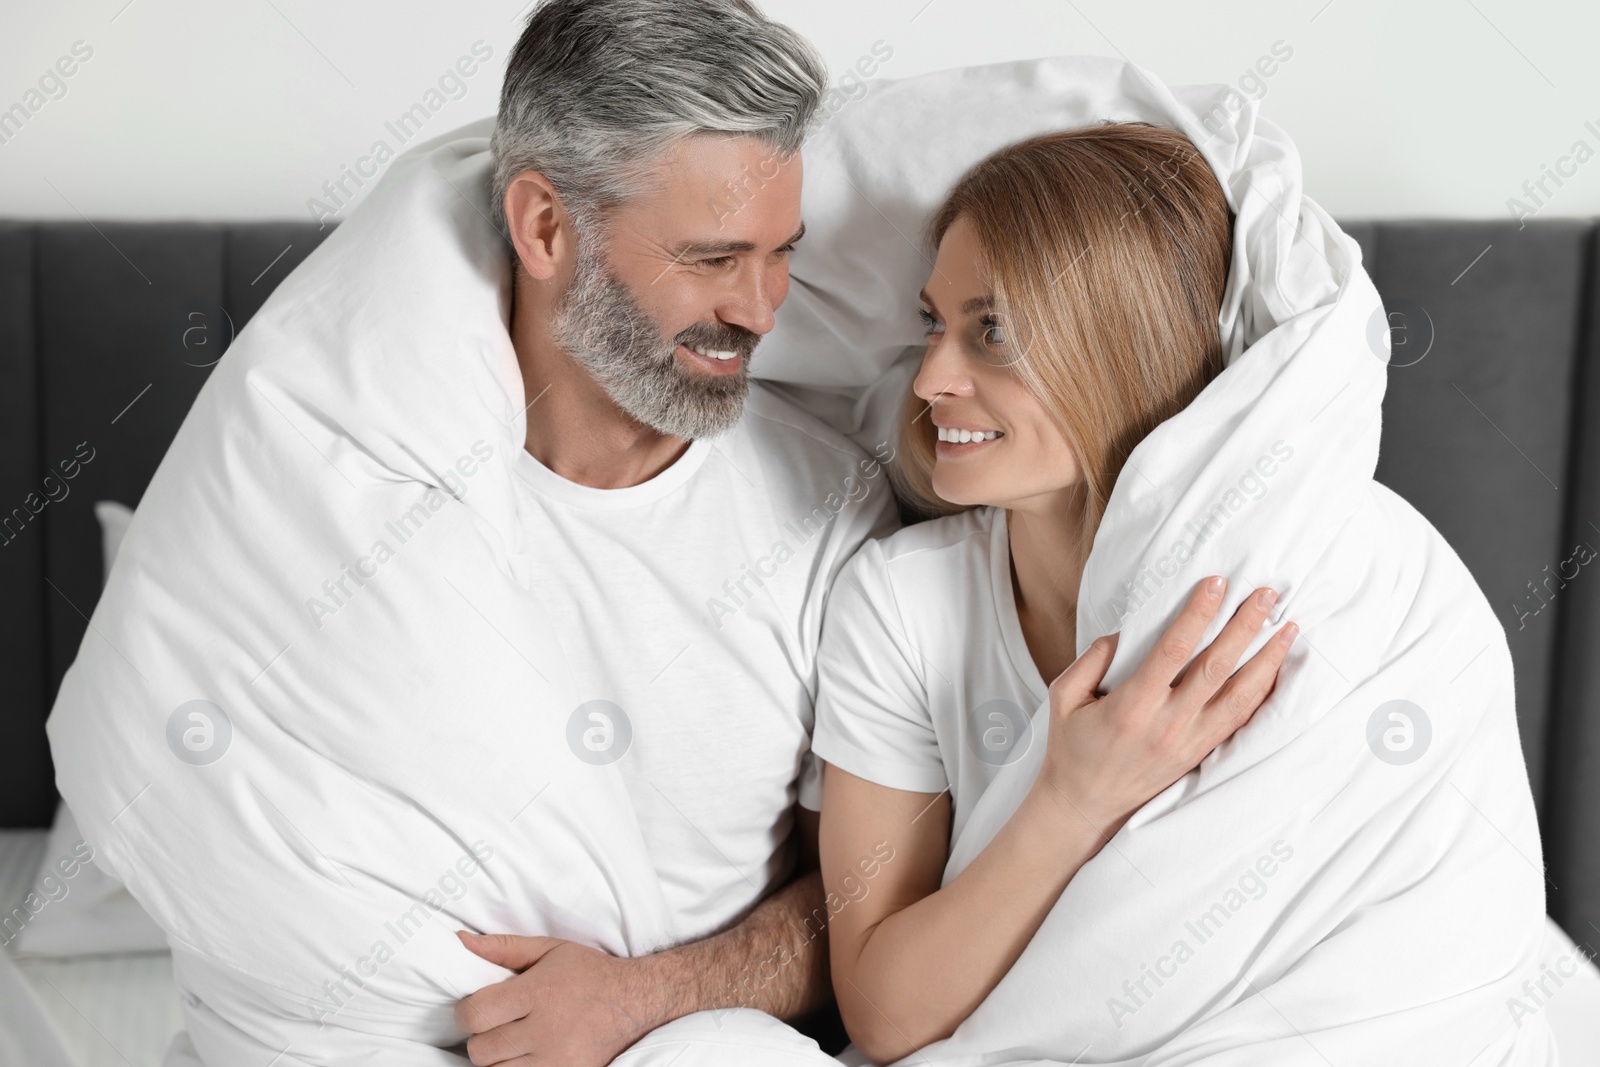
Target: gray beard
{"points": [[598, 323]]}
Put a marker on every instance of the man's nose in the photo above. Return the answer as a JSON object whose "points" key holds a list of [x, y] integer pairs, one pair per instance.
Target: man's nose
{"points": [[750, 304]]}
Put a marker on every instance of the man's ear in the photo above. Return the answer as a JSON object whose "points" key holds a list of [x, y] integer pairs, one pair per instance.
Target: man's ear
{"points": [[540, 228]]}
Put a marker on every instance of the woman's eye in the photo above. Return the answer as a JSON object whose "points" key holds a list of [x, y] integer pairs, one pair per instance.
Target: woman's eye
{"points": [[993, 332], [930, 324]]}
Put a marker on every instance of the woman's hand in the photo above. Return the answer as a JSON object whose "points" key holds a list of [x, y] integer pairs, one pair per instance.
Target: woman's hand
{"points": [[913, 956], [1108, 755]]}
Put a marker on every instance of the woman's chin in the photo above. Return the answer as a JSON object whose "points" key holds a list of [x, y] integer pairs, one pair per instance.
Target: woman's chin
{"points": [[959, 492]]}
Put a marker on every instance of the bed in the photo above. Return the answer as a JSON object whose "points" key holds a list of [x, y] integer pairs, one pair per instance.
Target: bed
{"points": [[121, 1009], [111, 1010], [124, 378]]}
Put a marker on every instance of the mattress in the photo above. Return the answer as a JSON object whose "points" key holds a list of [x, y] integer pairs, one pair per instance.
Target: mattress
{"points": [[105, 1011]]}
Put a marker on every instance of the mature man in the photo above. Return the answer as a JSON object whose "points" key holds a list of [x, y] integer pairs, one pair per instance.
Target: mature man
{"points": [[647, 170], [639, 577]]}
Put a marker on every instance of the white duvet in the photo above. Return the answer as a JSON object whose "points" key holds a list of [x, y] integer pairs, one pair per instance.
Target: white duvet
{"points": [[384, 783]]}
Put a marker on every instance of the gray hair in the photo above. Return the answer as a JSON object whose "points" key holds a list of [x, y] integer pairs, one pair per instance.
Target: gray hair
{"points": [[595, 90]]}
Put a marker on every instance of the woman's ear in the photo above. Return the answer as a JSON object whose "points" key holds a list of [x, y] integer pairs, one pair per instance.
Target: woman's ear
{"points": [[540, 230]]}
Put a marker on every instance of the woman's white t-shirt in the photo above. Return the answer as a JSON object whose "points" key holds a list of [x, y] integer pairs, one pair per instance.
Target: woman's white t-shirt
{"points": [[925, 682]]}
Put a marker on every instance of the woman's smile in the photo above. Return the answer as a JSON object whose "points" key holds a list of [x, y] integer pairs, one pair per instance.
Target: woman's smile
{"points": [[957, 441]]}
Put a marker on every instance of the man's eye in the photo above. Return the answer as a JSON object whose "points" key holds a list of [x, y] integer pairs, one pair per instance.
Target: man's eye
{"points": [[717, 262]]}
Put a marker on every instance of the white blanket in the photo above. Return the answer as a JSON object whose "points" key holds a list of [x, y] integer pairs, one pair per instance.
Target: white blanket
{"points": [[353, 829], [1356, 878], [314, 727]]}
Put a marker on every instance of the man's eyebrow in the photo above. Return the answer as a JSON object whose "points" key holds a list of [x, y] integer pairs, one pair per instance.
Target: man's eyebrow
{"points": [[727, 248]]}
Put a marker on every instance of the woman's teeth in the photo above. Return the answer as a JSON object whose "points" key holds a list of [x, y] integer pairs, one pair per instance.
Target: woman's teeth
{"points": [[712, 353], [961, 437]]}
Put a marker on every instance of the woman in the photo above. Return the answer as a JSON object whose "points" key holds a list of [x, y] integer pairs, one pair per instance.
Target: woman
{"points": [[1072, 307]]}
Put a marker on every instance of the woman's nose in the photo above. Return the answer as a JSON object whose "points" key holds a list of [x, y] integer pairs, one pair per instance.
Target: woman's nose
{"points": [[942, 373]]}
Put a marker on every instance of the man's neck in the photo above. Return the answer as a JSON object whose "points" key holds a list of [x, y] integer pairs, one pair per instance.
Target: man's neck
{"points": [[574, 427]]}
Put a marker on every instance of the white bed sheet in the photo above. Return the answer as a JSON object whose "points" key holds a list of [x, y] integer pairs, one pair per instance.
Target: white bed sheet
{"points": [[21, 853], [104, 1011]]}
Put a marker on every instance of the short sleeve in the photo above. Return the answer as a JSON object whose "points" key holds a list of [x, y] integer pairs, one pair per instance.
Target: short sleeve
{"points": [[810, 792], [873, 718]]}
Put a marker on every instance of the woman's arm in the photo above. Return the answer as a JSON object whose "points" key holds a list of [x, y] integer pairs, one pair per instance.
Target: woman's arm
{"points": [[910, 961]]}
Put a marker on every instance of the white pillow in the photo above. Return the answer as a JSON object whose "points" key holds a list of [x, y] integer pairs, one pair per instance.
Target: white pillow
{"points": [[114, 519], [847, 341], [82, 910]]}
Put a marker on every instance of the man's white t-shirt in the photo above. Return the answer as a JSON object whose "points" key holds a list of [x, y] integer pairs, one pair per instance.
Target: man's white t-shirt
{"points": [[690, 609], [927, 683]]}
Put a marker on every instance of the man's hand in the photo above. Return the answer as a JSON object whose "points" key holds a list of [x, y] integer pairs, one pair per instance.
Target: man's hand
{"points": [[569, 1005]]}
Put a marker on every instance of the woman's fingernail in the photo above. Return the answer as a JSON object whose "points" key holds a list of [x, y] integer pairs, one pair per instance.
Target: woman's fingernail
{"points": [[1215, 586], [1266, 598], [1289, 633]]}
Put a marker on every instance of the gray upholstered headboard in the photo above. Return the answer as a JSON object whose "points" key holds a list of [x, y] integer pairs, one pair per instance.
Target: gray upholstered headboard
{"points": [[107, 332]]}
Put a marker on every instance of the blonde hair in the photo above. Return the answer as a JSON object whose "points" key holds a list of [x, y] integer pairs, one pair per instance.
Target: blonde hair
{"points": [[1107, 249]]}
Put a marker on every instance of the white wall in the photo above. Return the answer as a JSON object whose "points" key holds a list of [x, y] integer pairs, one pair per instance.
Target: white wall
{"points": [[193, 109]]}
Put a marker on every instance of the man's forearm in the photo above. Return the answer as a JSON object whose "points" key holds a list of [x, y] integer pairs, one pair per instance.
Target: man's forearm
{"points": [[775, 960]]}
